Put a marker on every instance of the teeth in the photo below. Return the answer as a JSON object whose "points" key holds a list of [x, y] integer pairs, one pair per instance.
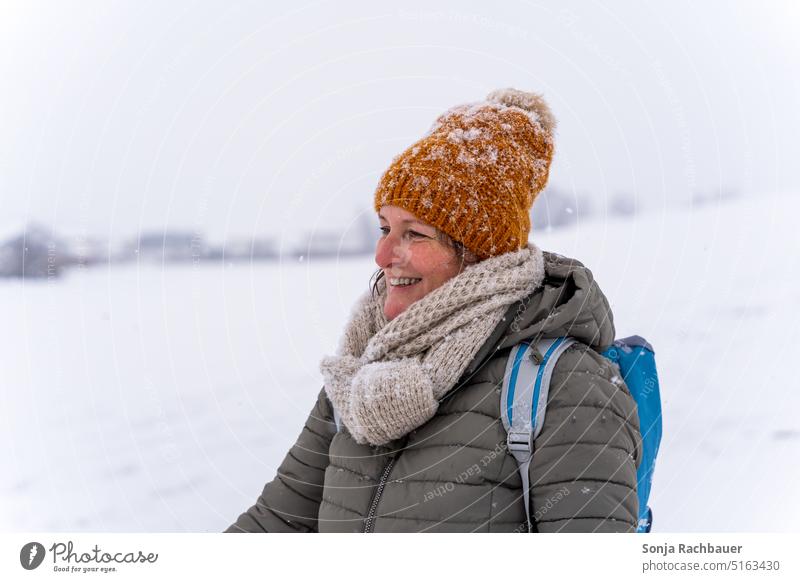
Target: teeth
{"points": [[403, 281]]}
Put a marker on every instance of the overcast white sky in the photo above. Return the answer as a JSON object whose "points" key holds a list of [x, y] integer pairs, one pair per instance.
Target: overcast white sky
{"points": [[236, 118]]}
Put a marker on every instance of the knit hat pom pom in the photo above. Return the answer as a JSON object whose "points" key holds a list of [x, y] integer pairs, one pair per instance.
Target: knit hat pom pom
{"points": [[532, 103]]}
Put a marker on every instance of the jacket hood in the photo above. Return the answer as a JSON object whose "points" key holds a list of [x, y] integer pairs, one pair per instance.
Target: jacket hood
{"points": [[568, 302]]}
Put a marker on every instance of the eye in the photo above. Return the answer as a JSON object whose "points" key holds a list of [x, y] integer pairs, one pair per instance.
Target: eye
{"points": [[411, 233]]}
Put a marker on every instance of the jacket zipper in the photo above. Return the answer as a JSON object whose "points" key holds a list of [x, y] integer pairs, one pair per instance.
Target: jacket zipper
{"points": [[369, 522]]}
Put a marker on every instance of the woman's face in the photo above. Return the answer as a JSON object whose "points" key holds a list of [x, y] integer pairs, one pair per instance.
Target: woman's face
{"points": [[409, 248]]}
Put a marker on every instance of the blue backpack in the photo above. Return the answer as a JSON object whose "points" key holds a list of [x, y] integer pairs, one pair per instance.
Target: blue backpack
{"points": [[524, 402]]}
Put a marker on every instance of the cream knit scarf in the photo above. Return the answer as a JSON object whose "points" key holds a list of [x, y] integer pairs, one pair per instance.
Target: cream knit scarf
{"points": [[388, 376]]}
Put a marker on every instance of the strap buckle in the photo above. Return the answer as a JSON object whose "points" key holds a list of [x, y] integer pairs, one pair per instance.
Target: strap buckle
{"points": [[520, 440]]}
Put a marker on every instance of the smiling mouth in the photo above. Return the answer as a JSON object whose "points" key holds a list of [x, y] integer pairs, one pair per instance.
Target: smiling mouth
{"points": [[403, 282]]}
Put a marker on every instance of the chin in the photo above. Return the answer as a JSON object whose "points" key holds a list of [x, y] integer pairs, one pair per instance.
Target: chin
{"points": [[390, 314], [396, 307], [393, 311]]}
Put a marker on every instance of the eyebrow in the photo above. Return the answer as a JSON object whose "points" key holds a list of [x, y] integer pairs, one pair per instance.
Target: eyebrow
{"points": [[406, 220]]}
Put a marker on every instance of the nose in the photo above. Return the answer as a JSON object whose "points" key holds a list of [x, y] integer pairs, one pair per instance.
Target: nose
{"points": [[391, 252]]}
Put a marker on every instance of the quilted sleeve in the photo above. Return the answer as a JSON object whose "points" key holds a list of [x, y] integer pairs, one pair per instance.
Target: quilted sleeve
{"points": [[290, 502], [583, 472]]}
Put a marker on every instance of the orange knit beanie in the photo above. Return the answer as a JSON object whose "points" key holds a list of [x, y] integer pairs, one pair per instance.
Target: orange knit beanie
{"points": [[477, 171]]}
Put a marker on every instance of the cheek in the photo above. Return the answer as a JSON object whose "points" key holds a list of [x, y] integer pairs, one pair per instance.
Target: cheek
{"points": [[437, 265]]}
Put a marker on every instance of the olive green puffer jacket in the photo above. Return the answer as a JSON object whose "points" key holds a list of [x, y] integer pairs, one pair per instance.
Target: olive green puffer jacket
{"points": [[454, 474]]}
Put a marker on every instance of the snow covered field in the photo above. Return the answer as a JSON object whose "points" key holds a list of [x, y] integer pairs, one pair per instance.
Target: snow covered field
{"points": [[161, 399]]}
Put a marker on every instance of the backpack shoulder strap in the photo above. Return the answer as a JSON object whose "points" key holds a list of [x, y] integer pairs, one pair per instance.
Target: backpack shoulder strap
{"points": [[523, 400]]}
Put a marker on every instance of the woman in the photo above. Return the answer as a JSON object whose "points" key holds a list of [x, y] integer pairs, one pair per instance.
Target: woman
{"points": [[418, 372]]}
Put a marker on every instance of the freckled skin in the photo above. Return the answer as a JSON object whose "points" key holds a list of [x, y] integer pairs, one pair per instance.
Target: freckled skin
{"points": [[411, 250]]}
